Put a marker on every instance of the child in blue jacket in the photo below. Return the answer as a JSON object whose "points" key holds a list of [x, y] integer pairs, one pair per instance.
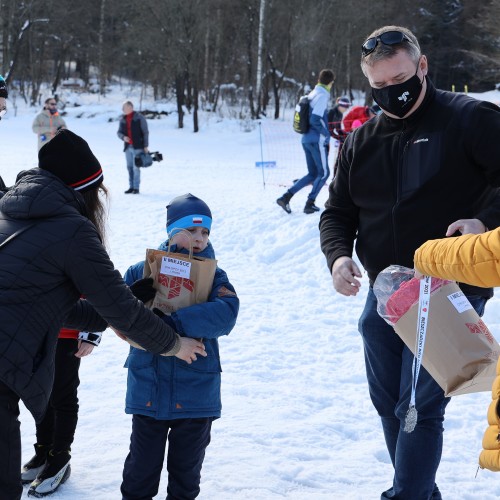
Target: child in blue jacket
{"points": [[169, 398]]}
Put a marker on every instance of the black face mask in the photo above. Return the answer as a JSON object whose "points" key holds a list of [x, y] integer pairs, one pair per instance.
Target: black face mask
{"points": [[398, 99]]}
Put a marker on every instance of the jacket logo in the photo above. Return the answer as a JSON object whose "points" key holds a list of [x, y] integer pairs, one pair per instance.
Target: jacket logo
{"points": [[404, 96], [225, 292], [421, 140], [175, 285]]}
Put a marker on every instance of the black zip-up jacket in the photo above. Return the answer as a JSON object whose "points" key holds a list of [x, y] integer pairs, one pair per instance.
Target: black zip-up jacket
{"points": [[403, 182], [43, 272], [140, 131]]}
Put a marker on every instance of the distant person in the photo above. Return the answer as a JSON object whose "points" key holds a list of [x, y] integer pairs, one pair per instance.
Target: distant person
{"points": [[56, 432], [133, 131], [183, 402], [429, 160], [48, 122], [358, 115], [335, 116], [4, 94], [52, 229], [316, 143]]}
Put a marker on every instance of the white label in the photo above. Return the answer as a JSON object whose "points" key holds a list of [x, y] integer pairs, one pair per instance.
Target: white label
{"points": [[175, 267], [460, 301]]}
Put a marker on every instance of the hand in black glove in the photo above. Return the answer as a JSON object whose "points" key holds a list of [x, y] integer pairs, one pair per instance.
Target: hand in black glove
{"points": [[143, 289]]}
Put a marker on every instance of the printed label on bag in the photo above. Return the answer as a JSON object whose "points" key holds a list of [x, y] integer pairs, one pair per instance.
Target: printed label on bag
{"points": [[175, 267], [460, 301]]}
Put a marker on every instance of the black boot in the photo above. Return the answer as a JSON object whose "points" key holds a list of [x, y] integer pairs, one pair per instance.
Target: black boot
{"points": [[283, 202], [310, 207], [56, 472], [31, 469]]}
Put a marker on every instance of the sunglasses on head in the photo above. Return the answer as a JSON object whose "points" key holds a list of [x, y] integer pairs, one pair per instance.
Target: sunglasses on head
{"points": [[387, 38]]}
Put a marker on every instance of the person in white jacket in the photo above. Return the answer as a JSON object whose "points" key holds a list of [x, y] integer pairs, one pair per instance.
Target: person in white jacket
{"points": [[48, 122]]}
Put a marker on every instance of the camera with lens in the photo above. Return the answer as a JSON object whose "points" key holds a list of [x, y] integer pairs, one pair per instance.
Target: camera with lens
{"points": [[147, 159]]}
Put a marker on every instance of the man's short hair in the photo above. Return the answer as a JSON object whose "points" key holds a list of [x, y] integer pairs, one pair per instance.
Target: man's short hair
{"points": [[128, 103], [50, 99], [382, 51], [326, 76]]}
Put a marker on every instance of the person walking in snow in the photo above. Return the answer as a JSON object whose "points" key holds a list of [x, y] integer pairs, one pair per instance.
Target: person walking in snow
{"points": [[430, 159], [48, 122], [133, 131], [316, 143], [182, 402], [4, 94], [51, 234]]}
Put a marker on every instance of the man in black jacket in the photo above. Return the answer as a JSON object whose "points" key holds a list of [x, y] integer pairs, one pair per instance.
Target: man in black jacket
{"points": [[133, 131], [430, 160]]}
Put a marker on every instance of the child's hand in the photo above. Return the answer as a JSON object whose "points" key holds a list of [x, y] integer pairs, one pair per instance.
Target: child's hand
{"points": [[190, 348]]}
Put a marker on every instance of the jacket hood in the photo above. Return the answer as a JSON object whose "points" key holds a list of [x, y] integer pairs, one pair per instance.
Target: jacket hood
{"points": [[39, 194], [208, 253]]}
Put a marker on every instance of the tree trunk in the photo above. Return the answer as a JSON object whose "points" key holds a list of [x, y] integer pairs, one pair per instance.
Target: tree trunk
{"points": [[179, 94], [102, 75], [195, 107], [258, 81]]}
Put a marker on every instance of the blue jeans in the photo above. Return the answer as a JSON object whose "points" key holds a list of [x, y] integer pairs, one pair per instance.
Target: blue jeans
{"points": [[415, 456], [134, 173], [317, 169]]}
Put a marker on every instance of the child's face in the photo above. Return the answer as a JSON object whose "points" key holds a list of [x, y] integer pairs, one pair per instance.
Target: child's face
{"points": [[199, 239]]}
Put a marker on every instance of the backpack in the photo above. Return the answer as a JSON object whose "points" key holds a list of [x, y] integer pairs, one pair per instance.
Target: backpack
{"points": [[301, 115]]}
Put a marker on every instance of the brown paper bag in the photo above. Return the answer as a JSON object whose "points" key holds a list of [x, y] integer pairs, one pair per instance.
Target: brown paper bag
{"points": [[460, 352], [181, 280]]}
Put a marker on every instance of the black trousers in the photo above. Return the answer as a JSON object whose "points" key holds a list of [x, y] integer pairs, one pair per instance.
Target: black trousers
{"points": [[59, 423], [188, 439], [10, 445]]}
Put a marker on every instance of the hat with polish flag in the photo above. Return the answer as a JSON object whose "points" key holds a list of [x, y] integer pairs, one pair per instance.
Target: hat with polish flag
{"points": [[188, 211]]}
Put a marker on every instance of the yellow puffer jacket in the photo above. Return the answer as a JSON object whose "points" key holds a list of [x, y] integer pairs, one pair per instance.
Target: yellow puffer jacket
{"points": [[473, 259], [490, 456]]}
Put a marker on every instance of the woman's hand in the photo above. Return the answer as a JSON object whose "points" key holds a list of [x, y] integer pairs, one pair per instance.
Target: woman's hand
{"points": [[190, 349]]}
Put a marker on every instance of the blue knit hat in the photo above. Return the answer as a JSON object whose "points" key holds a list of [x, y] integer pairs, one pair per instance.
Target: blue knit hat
{"points": [[188, 211]]}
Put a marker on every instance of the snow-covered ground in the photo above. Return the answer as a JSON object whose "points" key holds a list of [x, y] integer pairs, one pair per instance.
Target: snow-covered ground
{"points": [[297, 420]]}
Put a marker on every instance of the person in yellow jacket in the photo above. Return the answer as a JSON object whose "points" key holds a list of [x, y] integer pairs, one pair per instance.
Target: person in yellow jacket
{"points": [[48, 122], [473, 259]]}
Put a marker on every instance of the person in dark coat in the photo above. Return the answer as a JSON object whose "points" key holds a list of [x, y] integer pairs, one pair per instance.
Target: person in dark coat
{"points": [[428, 160], [133, 131], [51, 233]]}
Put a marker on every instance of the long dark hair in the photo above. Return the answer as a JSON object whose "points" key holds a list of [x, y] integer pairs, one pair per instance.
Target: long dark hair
{"points": [[96, 209]]}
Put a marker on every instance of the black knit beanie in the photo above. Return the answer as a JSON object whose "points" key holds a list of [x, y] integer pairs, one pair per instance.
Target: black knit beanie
{"points": [[69, 157]]}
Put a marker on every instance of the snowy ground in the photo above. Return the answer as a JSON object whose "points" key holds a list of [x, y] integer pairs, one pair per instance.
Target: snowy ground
{"points": [[297, 421]]}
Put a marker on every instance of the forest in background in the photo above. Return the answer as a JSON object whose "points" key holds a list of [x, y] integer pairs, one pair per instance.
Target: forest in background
{"points": [[255, 55]]}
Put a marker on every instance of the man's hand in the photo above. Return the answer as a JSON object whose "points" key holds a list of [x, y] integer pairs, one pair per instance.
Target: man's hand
{"points": [[127, 139], [466, 226], [190, 348], [146, 150], [344, 271]]}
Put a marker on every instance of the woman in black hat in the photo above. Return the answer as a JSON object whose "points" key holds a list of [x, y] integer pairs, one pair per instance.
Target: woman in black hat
{"points": [[52, 253]]}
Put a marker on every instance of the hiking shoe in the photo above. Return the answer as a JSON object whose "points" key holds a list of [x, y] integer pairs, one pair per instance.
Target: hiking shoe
{"points": [[284, 202], [31, 469], [135, 191], [310, 207], [56, 471], [130, 191]]}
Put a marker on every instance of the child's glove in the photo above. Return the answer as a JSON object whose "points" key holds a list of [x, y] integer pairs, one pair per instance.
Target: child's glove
{"points": [[166, 318], [143, 289]]}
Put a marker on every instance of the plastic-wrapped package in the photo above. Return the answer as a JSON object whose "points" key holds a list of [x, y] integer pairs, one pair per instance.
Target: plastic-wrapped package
{"points": [[397, 291]]}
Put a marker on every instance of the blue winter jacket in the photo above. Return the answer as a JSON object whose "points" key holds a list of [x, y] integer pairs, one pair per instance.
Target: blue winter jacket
{"points": [[318, 116], [168, 388]]}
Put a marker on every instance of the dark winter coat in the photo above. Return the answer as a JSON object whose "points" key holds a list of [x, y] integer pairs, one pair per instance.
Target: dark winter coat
{"points": [[43, 273], [335, 124], [403, 182], [167, 388], [140, 132]]}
